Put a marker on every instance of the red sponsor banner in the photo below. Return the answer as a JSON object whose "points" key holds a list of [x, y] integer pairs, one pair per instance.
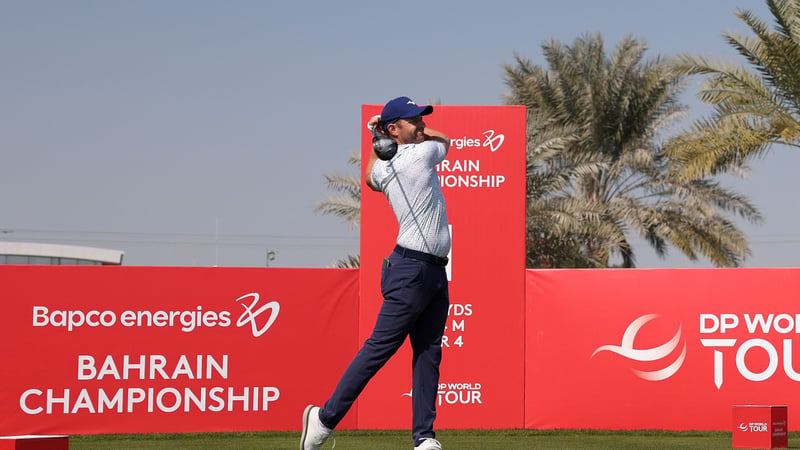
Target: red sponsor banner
{"points": [[483, 181], [659, 349], [136, 350]]}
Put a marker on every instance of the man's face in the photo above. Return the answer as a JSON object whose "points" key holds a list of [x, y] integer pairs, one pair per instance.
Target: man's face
{"points": [[408, 131]]}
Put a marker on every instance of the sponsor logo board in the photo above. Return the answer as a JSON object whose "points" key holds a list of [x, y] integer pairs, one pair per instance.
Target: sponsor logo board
{"points": [[665, 349], [135, 349], [483, 182]]}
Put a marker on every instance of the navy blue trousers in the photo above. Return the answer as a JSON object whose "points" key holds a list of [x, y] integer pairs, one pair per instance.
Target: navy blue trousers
{"points": [[415, 304]]}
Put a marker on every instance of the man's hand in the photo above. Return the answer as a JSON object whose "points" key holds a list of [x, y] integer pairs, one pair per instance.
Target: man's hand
{"points": [[373, 123]]}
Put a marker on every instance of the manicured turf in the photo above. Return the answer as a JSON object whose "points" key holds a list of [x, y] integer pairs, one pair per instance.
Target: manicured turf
{"points": [[451, 440]]}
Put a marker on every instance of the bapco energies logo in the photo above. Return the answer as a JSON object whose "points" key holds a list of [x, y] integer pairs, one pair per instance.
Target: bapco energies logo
{"points": [[650, 355], [491, 139], [258, 317], [250, 314]]}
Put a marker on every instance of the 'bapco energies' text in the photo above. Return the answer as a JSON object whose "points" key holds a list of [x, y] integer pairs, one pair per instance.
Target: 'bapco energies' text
{"points": [[187, 320]]}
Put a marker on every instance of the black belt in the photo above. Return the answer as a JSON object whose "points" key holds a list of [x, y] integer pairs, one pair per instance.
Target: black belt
{"points": [[422, 256]]}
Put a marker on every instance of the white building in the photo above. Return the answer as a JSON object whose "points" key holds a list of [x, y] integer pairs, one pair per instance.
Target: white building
{"points": [[53, 254]]}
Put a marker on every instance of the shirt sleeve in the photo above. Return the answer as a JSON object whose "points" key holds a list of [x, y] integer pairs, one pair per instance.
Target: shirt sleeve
{"points": [[427, 153], [378, 174], [435, 152]]}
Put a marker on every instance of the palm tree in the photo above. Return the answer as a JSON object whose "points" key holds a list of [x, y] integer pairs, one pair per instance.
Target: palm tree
{"points": [[346, 205], [597, 173], [752, 110]]}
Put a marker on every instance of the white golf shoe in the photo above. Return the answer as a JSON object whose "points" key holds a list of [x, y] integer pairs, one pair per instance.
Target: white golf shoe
{"points": [[429, 444], [314, 432]]}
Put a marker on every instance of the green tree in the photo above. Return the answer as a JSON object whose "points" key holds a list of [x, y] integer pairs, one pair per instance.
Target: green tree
{"points": [[346, 204], [597, 172], [752, 109]]}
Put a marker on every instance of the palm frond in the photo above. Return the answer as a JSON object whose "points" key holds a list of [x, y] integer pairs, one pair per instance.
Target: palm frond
{"points": [[349, 262], [754, 108], [597, 172], [346, 205]]}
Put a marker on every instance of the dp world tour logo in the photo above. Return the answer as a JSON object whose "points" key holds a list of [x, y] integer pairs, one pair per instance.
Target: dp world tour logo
{"points": [[649, 355]]}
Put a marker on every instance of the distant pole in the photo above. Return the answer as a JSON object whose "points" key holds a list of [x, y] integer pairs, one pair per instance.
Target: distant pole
{"points": [[270, 255], [216, 241]]}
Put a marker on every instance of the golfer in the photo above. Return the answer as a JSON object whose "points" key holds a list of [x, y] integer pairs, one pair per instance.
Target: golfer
{"points": [[413, 278]]}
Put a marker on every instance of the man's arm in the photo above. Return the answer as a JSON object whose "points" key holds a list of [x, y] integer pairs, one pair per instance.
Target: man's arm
{"points": [[433, 135], [373, 122], [368, 174]]}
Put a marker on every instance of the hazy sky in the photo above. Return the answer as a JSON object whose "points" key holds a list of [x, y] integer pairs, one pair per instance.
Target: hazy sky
{"points": [[198, 132]]}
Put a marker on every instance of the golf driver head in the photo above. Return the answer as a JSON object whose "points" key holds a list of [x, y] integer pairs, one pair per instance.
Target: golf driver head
{"points": [[385, 147]]}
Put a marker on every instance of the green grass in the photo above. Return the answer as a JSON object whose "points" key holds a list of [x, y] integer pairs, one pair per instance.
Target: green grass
{"points": [[451, 440]]}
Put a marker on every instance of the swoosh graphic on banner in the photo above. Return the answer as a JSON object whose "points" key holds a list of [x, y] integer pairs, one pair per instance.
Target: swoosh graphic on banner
{"points": [[663, 374], [648, 355]]}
